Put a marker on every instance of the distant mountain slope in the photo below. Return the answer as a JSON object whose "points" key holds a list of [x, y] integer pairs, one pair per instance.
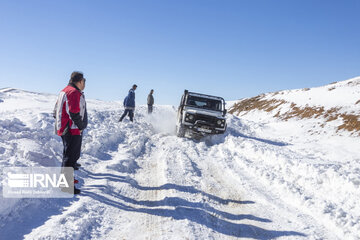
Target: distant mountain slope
{"points": [[334, 107]]}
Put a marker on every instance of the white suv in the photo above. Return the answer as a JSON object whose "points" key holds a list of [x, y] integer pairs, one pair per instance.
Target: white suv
{"points": [[200, 115]]}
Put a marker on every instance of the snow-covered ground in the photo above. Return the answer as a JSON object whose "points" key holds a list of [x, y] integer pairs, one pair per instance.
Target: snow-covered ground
{"points": [[260, 180]]}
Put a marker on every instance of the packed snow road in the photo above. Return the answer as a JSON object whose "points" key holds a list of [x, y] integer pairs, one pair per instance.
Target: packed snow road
{"points": [[139, 181]]}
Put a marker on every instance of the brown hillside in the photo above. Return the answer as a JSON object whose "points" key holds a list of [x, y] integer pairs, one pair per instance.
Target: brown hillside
{"points": [[351, 122]]}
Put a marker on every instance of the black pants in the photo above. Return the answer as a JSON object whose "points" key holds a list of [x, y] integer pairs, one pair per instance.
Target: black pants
{"points": [[72, 149], [150, 108], [130, 112]]}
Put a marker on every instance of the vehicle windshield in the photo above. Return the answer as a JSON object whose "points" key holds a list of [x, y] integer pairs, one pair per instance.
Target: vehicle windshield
{"points": [[206, 103]]}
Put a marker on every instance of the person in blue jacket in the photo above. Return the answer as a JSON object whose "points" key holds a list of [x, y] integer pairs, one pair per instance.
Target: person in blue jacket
{"points": [[129, 104]]}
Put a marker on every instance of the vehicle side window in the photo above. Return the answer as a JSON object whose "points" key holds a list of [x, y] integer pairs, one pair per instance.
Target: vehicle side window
{"points": [[192, 102]]}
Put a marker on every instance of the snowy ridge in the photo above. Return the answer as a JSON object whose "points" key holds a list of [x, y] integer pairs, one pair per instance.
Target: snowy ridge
{"points": [[139, 181], [333, 109], [340, 94]]}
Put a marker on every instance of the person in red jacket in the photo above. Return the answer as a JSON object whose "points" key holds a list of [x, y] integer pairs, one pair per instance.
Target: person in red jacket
{"points": [[71, 119]]}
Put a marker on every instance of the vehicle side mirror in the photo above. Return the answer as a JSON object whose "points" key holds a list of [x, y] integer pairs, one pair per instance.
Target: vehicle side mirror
{"points": [[225, 111]]}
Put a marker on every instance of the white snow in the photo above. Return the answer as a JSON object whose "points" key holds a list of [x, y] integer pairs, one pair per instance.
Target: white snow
{"points": [[263, 179]]}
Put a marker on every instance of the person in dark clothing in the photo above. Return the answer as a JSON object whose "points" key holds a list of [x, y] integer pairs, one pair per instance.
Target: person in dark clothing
{"points": [[129, 104], [71, 119], [150, 101]]}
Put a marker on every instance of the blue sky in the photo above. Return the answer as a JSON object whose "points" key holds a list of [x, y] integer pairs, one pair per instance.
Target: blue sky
{"points": [[233, 49]]}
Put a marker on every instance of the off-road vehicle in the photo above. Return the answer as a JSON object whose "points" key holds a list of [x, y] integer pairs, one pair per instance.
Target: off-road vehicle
{"points": [[200, 115]]}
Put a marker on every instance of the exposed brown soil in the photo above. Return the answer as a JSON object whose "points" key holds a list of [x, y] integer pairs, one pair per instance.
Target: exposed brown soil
{"points": [[255, 103], [351, 123], [331, 114], [354, 83], [301, 113]]}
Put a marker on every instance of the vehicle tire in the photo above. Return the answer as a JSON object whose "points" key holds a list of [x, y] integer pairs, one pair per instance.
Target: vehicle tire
{"points": [[180, 131]]}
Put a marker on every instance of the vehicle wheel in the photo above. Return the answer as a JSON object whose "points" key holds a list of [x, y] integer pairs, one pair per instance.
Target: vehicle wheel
{"points": [[180, 131]]}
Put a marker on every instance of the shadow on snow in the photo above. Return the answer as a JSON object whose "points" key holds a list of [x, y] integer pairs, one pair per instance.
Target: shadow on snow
{"points": [[218, 139], [198, 212], [16, 225]]}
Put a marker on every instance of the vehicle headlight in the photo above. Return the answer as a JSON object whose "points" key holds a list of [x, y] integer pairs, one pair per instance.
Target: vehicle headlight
{"points": [[218, 122], [189, 117]]}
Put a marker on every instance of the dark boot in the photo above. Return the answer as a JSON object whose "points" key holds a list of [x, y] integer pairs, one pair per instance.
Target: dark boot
{"points": [[76, 191]]}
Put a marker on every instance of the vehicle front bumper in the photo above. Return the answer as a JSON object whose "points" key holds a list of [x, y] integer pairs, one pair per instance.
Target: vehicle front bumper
{"points": [[204, 128]]}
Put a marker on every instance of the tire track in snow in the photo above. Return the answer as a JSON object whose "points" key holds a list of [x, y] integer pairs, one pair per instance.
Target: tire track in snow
{"points": [[155, 169]]}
